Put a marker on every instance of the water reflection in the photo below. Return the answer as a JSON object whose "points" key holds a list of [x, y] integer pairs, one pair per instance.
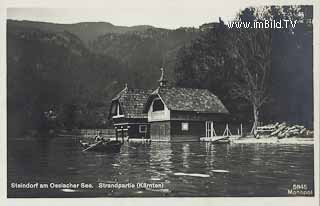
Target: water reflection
{"points": [[185, 169], [185, 154], [161, 161], [209, 157]]}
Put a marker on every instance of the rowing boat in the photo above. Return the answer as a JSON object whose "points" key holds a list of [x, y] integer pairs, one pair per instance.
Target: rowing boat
{"points": [[103, 146]]}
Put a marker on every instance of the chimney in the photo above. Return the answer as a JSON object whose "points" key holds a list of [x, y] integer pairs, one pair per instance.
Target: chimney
{"points": [[162, 81]]}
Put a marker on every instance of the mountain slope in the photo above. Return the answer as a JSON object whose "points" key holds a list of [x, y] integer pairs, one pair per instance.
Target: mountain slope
{"points": [[86, 31], [51, 68], [142, 49], [55, 71], [144, 52]]}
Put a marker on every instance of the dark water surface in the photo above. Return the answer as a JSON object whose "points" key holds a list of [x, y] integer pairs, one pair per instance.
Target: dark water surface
{"points": [[184, 169]]}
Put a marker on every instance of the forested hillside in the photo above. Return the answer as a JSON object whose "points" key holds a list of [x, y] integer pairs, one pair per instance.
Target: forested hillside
{"points": [[145, 52], [52, 69]]}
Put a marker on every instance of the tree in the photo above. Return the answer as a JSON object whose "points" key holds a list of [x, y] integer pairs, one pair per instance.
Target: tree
{"points": [[252, 51]]}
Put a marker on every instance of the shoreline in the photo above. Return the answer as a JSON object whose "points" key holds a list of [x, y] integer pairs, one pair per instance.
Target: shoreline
{"points": [[273, 140], [233, 140]]}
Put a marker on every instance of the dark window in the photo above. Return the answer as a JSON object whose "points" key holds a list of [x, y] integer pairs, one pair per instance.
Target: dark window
{"points": [[157, 105], [116, 110], [143, 128]]}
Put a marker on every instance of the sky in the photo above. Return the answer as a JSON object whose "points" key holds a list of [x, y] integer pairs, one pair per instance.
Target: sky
{"points": [[166, 14]]}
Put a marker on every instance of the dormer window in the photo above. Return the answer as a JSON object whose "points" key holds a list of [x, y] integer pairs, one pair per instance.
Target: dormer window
{"points": [[157, 105], [118, 111]]}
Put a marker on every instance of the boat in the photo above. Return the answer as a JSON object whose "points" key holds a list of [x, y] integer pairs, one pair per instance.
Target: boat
{"points": [[222, 140], [103, 146]]}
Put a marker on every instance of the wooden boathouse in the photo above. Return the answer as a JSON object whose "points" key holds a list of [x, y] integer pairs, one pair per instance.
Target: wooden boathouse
{"points": [[126, 112], [183, 114]]}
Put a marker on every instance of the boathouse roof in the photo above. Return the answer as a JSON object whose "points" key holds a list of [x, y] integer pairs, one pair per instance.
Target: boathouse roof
{"points": [[188, 99], [131, 102]]}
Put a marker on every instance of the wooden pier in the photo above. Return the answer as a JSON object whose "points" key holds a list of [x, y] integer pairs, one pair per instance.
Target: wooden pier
{"points": [[226, 135]]}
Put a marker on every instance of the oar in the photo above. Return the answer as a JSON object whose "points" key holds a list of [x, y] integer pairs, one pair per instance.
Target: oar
{"points": [[130, 147], [92, 146]]}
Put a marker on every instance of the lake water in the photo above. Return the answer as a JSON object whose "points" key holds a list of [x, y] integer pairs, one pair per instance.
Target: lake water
{"points": [[181, 169]]}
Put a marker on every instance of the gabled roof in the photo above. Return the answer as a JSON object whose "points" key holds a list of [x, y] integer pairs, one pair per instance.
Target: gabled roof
{"points": [[132, 102], [188, 99]]}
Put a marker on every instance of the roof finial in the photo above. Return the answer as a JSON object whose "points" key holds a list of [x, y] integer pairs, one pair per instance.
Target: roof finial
{"points": [[162, 80], [126, 86]]}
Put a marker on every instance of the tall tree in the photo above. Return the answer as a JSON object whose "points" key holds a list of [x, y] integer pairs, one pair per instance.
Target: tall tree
{"points": [[252, 51]]}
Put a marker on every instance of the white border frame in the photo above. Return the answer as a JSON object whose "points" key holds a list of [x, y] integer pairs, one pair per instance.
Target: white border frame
{"points": [[180, 4]]}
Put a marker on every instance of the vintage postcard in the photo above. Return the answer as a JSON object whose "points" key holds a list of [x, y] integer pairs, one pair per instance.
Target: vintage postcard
{"points": [[149, 100]]}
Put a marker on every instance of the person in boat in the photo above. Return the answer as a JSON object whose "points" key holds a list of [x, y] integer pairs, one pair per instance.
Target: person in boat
{"points": [[100, 139]]}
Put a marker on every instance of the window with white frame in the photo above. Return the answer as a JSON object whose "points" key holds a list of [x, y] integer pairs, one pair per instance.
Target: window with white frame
{"points": [[185, 126], [118, 111], [143, 128]]}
